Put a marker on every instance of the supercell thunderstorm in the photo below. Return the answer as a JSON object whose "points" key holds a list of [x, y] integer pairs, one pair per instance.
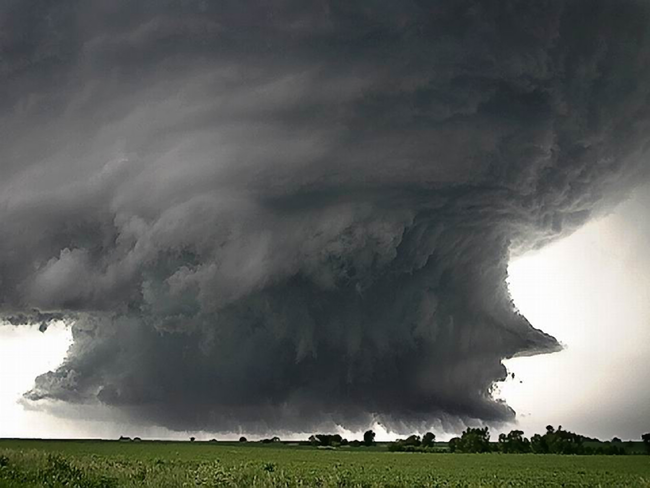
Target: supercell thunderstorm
{"points": [[294, 215]]}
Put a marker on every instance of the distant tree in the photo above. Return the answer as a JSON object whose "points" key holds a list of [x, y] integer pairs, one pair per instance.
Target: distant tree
{"points": [[566, 442], [243, 439], [413, 443], [616, 439], [124, 439], [344, 442], [192, 439], [412, 440], [474, 440], [369, 438], [514, 442], [275, 439], [396, 446], [646, 441], [558, 441], [136, 439], [538, 444], [428, 439], [326, 439], [590, 439], [453, 444], [607, 448]]}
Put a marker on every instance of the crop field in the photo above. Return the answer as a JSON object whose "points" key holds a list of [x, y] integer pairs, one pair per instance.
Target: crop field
{"points": [[175, 464]]}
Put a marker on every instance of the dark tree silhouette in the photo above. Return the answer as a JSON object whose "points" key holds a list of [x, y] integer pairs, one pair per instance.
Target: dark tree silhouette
{"points": [[413, 443], [514, 442], [646, 441], [474, 440], [412, 440], [369, 438], [243, 439], [453, 444], [326, 440], [558, 441], [538, 444], [428, 439], [192, 439]]}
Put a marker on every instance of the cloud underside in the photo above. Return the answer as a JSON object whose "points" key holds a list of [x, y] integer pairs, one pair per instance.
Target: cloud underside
{"points": [[288, 216]]}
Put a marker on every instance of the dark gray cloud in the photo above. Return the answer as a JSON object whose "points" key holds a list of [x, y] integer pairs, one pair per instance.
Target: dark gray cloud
{"points": [[281, 215]]}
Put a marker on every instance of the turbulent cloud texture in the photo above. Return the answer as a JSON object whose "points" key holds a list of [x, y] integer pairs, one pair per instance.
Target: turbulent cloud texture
{"points": [[294, 214]]}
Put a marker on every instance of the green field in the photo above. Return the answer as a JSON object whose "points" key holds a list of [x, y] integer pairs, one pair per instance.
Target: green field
{"points": [[172, 464]]}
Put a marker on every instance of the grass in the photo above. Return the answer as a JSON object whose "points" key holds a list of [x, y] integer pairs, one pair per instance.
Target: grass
{"points": [[108, 464]]}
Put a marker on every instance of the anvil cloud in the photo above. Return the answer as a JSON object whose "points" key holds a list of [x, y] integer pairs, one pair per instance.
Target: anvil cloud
{"points": [[288, 215]]}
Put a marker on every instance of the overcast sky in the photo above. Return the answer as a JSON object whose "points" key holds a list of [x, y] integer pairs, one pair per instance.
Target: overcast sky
{"points": [[288, 217]]}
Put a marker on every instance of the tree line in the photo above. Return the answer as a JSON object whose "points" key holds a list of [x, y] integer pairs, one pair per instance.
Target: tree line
{"points": [[553, 441], [336, 440], [475, 440]]}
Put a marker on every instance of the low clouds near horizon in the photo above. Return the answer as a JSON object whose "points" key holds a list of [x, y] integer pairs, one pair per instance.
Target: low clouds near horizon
{"points": [[292, 216]]}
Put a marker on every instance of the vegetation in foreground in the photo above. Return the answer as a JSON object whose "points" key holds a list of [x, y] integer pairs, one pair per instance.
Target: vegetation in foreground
{"points": [[106, 464]]}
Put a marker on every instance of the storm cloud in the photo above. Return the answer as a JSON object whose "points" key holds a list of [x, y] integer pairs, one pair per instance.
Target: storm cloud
{"points": [[288, 215]]}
